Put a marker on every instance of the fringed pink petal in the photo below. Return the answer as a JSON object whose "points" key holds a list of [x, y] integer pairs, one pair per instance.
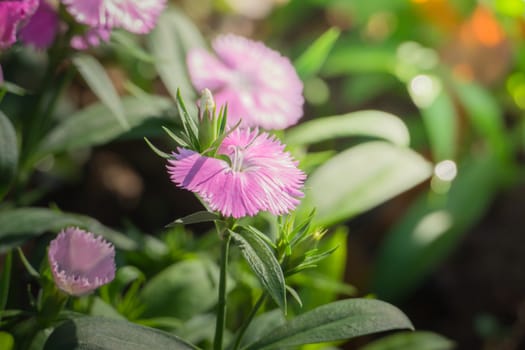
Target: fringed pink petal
{"points": [[80, 261]]}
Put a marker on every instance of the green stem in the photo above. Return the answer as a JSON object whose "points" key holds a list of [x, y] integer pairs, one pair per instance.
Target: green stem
{"points": [[221, 305], [247, 322]]}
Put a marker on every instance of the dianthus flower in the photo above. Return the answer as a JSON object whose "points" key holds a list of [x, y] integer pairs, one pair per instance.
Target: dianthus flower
{"points": [[136, 16], [42, 27], [12, 15], [260, 86], [259, 176], [80, 261]]}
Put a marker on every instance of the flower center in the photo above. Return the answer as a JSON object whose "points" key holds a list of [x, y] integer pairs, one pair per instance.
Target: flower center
{"points": [[237, 158]]}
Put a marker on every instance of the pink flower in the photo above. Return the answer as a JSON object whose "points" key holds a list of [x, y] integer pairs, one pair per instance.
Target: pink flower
{"points": [[260, 86], [136, 16], [259, 176], [92, 38], [12, 15], [80, 261], [42, 28]]}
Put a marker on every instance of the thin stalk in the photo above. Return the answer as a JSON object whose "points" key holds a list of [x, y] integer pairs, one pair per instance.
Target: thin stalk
{"points": [[221, 305], [247, 322]]}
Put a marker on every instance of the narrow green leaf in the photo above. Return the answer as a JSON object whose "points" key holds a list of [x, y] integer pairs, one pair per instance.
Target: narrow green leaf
{"points": [[341, 320], [91, 126], [486, 116], [125, 40], [311, 61], [109, 334], [349, 183], [411, 341], [439, 117], [375, 124], [8, 154], [5, 280], [96, 77], [156, 150], [195, 218], [32, 271], [263, 263], [19, 225]]}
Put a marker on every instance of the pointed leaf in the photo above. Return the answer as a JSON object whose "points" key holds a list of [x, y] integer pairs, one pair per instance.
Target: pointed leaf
{"points": [[8, 153], [312, 59], [92, 126], [195, 218], [341, 320], [263, 263], [98, 80], [110, 334], [375, 124], [360, 178]]}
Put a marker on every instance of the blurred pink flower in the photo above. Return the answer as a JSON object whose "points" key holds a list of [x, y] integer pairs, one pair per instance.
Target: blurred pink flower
{"points": [[259, 176], [260, 86], [42, 27], [12, 15], [91, 38], [136, 16], [80, 261]]}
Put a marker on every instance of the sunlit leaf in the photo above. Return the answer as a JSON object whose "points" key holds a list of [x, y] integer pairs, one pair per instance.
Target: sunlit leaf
{"points": [[363, 123], [309, 63], [362, 177]]}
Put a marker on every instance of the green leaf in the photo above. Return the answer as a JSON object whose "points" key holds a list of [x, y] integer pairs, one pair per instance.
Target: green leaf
{"points": [[182, 290], [7, 342], [169, 48], [363, 123], [261, 325], [263, 263], [19, 225], [195, 218], [433, 227], [341, 320], [97, 333], [8, 154], [411, 341], [439, 118], [486, 116], [350, 183], [91, 126], [96, 77], [309, 63], [5, 279], [346, 59]]}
